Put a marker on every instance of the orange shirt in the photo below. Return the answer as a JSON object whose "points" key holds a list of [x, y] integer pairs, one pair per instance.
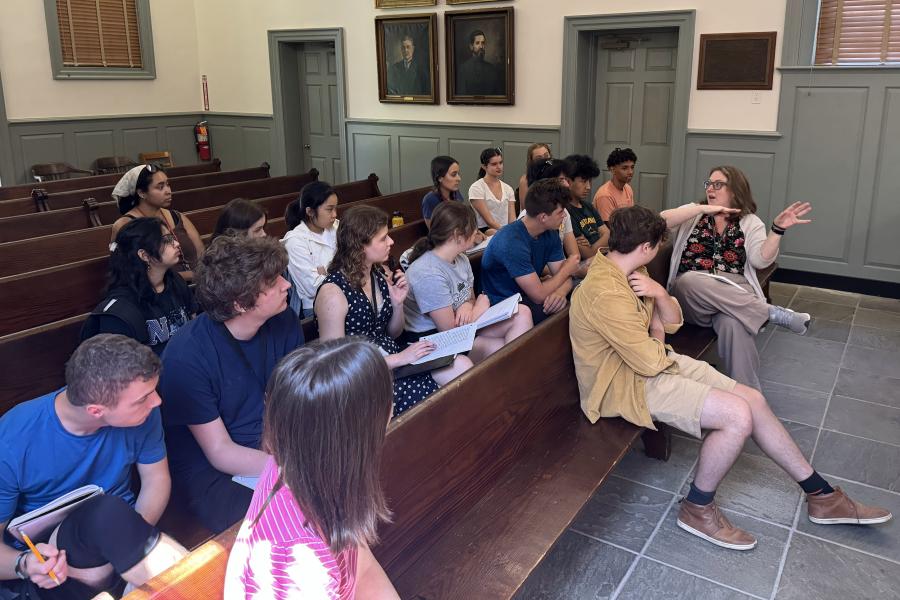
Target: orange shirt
{"points": [[608, 198]]}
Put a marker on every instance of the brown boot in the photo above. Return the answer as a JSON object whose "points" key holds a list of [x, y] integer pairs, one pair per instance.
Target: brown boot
{"points": [[709, 523], [837, 508]]}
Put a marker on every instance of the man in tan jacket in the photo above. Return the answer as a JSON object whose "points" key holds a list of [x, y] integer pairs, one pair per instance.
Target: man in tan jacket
{"points": [[617, 323]]}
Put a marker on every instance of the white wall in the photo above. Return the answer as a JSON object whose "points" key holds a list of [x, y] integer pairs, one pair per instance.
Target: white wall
{"points": [[233, 53], [32, 93]]}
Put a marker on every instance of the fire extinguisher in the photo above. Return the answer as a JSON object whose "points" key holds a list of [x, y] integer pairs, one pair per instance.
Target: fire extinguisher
{"points": [[201, 135]]}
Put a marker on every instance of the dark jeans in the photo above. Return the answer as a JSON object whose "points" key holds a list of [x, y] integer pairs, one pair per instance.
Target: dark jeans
{"points": [[105, 529]]}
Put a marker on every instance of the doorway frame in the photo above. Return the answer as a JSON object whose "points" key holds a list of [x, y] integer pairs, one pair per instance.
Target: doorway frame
{"points": [[282, 138], [7, 169], [579, 85]]}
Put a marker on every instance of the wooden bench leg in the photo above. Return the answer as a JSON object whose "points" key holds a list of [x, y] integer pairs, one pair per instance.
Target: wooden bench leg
{"points": [[658, 444]]}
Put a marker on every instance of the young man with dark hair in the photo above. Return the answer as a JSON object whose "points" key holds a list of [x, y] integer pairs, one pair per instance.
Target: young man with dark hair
{"points": [[94, 431], [216, 371], [616, 193], [516, 257], [618, 321], [590, 232]]}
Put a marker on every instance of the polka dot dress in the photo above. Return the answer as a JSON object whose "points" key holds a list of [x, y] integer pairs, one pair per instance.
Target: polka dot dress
{"points": [[361, 320]]}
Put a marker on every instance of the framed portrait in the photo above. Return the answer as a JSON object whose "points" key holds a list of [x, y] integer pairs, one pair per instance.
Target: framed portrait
{"points": [[407, 59], [480, 61], [736, 61], [403, 3]]}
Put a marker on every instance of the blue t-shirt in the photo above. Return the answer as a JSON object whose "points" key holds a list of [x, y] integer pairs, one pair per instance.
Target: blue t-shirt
{"points": [[432, 199], [40, 461], [513, 253], [203, 378]]}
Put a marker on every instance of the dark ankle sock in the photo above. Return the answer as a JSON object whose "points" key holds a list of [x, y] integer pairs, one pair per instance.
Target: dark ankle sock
{"points": [[815, 485], [698, 496]]}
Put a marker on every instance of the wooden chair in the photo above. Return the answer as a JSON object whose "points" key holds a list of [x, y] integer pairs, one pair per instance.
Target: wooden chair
{"points": [[114, 164], [163, 159], [54, 171]]}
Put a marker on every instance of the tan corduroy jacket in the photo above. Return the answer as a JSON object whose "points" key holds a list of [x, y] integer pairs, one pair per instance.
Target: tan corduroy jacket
{"points": [[614, 352]]}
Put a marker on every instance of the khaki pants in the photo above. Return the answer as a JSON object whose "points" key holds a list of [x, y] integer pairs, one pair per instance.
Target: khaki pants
{"points": [[736, 314], [677, 398]]}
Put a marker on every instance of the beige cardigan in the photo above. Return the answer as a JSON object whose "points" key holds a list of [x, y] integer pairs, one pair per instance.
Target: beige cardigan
{"points": [[754, 237]]}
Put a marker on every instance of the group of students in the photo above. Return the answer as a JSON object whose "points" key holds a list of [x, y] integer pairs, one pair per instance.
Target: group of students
{"points": [[237, 382]]}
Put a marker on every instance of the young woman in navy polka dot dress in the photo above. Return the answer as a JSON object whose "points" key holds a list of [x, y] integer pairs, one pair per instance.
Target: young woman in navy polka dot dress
{"points": [[359, 298]]}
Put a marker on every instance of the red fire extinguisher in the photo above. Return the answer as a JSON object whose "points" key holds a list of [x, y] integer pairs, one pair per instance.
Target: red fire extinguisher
{"points": [[201, 135]]}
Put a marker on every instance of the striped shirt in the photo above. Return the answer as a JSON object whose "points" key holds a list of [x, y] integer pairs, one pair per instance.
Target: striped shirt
{"points": [[282, 556]]}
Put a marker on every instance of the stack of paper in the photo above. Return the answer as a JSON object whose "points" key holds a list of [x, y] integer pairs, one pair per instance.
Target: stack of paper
{"points": [[450, 342]]}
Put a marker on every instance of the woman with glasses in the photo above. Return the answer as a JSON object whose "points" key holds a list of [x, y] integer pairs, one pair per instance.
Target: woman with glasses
{"points": [[146, 300], [144, 192], [718, 245]]}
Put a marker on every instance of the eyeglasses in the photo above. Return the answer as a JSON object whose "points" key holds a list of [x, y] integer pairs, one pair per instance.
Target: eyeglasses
{"points": [[169, 239], [716, 185]]}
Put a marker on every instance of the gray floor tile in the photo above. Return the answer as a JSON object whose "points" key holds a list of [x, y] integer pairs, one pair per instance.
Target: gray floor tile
{"points": [[804, 436], [877, 303], [653, 580], [762, 337], [824, 310], [880, 319], [874, 463], [874, 388], [828, 330], [577, 567], [780, 299], [758, 487], [753, 571], [882, 540], [795, 404], [873, 337], [830, 296], [623, 512], [873, 421], [835, 572], [801, 361], [787, 289], [667, 475], [872, 361]]}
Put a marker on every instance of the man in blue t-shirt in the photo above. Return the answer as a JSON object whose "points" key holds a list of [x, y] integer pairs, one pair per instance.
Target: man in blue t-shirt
{"points": [[515, 259], [215, 375], [95, 431]]}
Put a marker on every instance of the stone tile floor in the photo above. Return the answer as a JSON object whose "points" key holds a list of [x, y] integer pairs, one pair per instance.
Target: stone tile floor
{"points": [[838, 392]]}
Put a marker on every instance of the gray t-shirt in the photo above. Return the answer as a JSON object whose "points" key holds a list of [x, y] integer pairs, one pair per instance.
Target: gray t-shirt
{"points": [[434, 283]]}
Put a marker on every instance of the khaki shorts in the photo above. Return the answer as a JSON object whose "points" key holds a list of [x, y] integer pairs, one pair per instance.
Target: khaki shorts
{"points": [[677, 398]]}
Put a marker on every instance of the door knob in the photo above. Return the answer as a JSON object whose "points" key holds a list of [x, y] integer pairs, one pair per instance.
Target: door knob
{"points": [[306, 146]]}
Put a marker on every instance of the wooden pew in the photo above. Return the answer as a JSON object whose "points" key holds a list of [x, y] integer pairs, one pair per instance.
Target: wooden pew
{"points": [[39, 297], [46, 251], [9, 192], [409, 203], [93, 213]]}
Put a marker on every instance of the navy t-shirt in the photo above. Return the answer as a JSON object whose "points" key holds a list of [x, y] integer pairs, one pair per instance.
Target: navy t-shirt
{"points": [[203, 378], [432, 199], [40, 460], [513, 253]]}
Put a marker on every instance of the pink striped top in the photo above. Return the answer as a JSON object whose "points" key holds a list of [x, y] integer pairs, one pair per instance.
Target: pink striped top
{"points": [[282, 556]]}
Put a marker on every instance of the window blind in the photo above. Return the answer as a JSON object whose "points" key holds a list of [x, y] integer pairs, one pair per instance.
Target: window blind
{"points": [[858, 32], [99, 33]]}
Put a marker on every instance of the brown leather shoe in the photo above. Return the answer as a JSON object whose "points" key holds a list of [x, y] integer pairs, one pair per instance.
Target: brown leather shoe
{"points": [[709, 523], [837, 508]]}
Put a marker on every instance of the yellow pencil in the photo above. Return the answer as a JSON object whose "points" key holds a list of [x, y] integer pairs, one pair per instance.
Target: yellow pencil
{"points": [[38, 554]]}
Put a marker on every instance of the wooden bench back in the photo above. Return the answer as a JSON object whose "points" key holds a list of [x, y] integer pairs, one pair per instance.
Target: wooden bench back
{"points": [[47, 251], [105, 212], [23, 192], [409, 203]]}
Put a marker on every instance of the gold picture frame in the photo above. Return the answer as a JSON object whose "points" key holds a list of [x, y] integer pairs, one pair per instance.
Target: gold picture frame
{"points": [[407, 54], [403, 3]]}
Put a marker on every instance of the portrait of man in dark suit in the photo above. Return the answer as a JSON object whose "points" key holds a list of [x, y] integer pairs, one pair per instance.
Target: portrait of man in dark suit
{"points": [[477, 76], [408, 76]]}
